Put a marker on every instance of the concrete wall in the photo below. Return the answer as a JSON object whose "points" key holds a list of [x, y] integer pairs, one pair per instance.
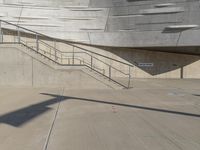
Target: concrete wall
{"points": [[165, 65], [19, 69]]}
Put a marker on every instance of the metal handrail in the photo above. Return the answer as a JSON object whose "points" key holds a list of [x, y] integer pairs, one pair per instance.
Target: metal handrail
{"points": [[39, 53], [94, 58], [92, 53], [60, 55], [42, 35]]}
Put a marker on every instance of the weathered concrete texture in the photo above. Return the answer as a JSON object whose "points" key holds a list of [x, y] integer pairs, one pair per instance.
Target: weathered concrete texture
{"points": [[146, 39], [20, 69], [124, 23], [156, 114]]}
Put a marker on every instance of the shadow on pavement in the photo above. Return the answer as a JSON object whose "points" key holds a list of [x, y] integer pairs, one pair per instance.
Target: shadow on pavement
{"points": [[21, 116]]}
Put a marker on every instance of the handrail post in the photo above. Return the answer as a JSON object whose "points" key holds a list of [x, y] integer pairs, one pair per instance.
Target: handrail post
{"points": [[55, 55], [18, 35], [109, 72], [55, 51], [73, 56], [1, 35], [91, 62], [37, 43], [129, 76], [50, 53]]}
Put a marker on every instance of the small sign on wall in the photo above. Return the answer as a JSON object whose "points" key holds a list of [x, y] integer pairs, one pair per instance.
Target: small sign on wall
{"points": [[146, 64]]}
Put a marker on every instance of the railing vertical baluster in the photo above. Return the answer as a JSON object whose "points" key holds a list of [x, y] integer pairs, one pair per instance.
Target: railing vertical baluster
{"points": [[37, 43], [73, 56], [129, 76], [91, 65], [55, 54], [18, 35], [55, 51], [109, 72]]}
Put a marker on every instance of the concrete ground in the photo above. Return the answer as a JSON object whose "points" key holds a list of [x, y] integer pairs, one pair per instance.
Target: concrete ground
{"points": [[153, 115]]}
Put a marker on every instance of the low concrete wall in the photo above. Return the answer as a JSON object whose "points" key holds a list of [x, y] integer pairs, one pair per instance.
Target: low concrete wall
{"points": [[19, 69]]}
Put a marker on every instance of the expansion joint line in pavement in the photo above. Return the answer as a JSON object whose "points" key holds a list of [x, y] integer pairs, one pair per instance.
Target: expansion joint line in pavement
{"points": [[53, 122]]}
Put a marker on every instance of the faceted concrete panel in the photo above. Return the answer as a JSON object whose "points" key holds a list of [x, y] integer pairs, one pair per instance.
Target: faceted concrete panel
{"points": [[76, 20], [134, 39]]}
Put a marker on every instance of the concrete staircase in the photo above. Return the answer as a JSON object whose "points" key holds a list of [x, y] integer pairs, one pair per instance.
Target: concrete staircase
{"points": [[71, 56], [93, 79]]}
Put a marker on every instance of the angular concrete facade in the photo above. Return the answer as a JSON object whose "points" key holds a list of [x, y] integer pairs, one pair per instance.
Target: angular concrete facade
{"points": [[145, 34], [74, 75], [121, 23]]}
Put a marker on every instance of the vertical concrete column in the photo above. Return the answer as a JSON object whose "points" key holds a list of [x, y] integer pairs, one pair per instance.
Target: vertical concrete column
{"points": [[181, 72]]}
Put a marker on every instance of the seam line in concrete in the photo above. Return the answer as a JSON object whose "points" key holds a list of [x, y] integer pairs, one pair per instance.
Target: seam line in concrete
{"points": [[53, 122]]}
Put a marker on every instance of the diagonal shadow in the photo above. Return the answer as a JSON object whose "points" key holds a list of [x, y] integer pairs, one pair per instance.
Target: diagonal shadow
{"points": [[19, 117], [196, 94]]}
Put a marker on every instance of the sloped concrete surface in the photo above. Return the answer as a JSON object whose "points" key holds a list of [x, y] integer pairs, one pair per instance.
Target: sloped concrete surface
{"points": [[164, 114]]}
